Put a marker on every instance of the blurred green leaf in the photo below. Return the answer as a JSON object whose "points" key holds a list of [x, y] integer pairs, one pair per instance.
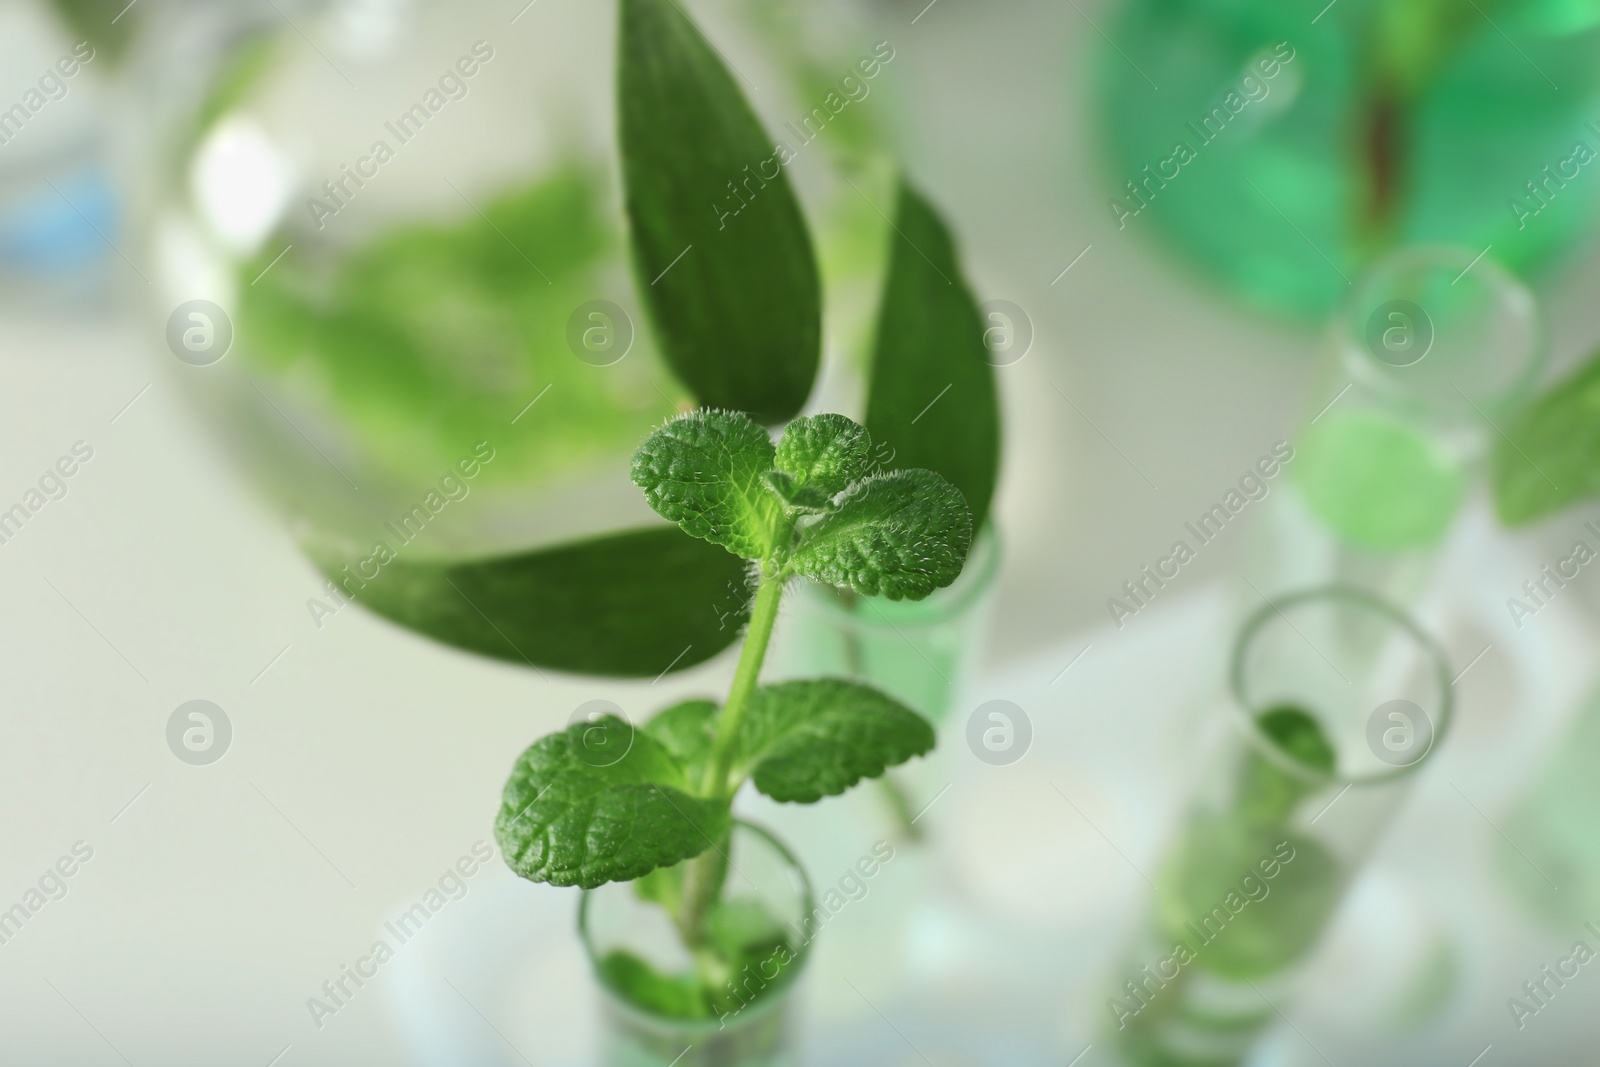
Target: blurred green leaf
{"points": [[932, 395], [1549, 457], [107, 25], [434, 336], [676, 996], [248, 62], [731, 279], [632, 604]]}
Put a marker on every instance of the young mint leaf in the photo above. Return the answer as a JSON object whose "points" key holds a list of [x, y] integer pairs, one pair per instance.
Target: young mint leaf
{"points": [[809, 498], [721, 250], [899, 535], [626, 604], [1549, 457], [686, 730], [570, 816], [824, 454], [806, 740], [707, 472], [931, 396]]}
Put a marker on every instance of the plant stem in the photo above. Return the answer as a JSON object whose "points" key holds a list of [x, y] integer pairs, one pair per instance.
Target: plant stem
{"points": [[763, 615], [705, 873], [702, 884], [899, 807]]}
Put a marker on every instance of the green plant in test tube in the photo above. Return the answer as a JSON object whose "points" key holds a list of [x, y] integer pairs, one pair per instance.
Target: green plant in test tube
{"points": [[1389, 476], [641, 818], [1302, 783], [600, 802]]}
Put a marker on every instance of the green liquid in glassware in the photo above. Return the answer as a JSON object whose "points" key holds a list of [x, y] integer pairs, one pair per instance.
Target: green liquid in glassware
{"points": [[1383, 123], [431, 337], [1378, 483], [740, 953], [1246, 896]]}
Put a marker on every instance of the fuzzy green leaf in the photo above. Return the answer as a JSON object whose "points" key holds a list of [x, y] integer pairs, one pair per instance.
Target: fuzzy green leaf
{"points": [[686, 730], [932, 395], [1549, 457], [808, 498], [731, 280], [806, 740], [632, 604], [707, 472], [824, 454], [573, 813], [899, 535]]}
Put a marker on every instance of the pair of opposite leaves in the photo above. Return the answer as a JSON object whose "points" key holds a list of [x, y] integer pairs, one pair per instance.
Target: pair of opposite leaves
{"points": [[601, 802]]}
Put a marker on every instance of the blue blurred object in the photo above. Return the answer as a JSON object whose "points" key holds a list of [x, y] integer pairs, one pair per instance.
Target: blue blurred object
{"points": [[60, 209], [58, 232]]}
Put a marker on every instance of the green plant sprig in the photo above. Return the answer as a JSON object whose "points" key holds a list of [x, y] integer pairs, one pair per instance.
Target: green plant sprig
{"points": [[574, 812]]}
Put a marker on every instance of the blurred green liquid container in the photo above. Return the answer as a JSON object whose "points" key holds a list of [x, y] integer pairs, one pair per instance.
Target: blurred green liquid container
{"points": [[921, 652], [1554, 827], [1334, 692], [1433, 346], [405, 220], [1281, 147]]}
